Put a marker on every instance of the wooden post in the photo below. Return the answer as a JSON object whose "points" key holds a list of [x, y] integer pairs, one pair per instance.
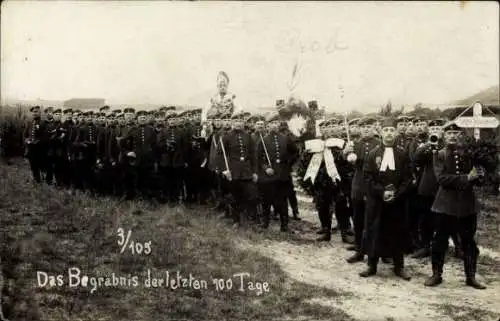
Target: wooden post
{"points": [[477, 112]]}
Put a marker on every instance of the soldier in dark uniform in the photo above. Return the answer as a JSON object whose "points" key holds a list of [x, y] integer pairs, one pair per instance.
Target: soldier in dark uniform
{"points": [[427, 186], [58, 149], [35, 139], [53, 126], [240, 152], [456, 206], [144, 142], [172, 143], [291, 194], [127, 157], [196, 178], [323, 177], [63, 163], [386, 173], [416, 132], [85, 142], [356, 154], [102, 167], [215, 161], [276, 154]]}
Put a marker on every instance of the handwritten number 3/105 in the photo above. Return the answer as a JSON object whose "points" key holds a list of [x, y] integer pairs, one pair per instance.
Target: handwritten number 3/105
{"points": [[134, 246]]}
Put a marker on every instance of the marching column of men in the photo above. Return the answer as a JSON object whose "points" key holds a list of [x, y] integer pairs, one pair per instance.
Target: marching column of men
{"points": [[395, 185]]}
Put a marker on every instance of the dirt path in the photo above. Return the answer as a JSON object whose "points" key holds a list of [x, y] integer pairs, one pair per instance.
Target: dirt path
{"points": [[384, 297]]}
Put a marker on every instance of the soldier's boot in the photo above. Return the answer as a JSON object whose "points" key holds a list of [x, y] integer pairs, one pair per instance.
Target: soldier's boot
{"points": [[321, 231], [420, 254], [346, 237], [472, 282], [436, 278], [327, 237], [470, 266], [371, 270], [399, 269], [402, 273], [357, 257]]}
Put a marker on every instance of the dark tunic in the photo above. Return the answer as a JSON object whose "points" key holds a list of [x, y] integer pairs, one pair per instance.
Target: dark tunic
{"points": [[455, 195], [385, 233]]}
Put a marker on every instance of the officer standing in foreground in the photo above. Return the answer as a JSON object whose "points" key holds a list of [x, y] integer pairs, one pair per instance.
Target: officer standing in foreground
{"points": [[456, 206], [239, 150], [276, 153]]}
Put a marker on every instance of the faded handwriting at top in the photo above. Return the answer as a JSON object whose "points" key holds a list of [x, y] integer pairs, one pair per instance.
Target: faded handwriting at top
{"points": [[293, 41]]}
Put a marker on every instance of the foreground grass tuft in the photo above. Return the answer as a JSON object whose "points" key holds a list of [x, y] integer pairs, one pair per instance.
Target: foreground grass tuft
{"points": [[50, 230]]}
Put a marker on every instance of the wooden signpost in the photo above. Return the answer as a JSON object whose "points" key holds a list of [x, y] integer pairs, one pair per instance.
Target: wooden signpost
{"points": [[477, 121]]}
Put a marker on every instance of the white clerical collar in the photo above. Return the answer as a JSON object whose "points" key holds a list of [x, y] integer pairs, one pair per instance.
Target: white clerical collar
{"points": [[388, 160]]}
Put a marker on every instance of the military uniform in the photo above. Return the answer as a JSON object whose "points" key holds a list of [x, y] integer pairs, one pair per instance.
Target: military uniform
{"points": [[456, 209], [276, 153], [35, 140], [358, 190], [241, 157], [144, 146], [85, 144], [322, 173], [172, 144]]}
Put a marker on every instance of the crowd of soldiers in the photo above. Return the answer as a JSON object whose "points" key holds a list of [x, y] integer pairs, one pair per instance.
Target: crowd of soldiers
{"points": [[396, 186]]}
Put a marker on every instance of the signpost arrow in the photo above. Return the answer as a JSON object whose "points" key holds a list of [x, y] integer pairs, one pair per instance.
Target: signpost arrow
{"points": [[477, 121]]}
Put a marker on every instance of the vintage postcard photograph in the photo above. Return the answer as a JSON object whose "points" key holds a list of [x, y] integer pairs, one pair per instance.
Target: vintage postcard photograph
{"points": [[249, 160]]}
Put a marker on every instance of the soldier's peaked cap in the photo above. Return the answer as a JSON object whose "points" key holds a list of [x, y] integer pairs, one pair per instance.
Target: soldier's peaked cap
{"points": [[58, 111], [141, 113], [67, 111], [129, 110], [116, 111], [353, 121], [159, 114], [420, 118], [273, 116], [402, 118], [437, 122], [389, 122], [367, 121], [35, 108], [451, 126], [49, 109], [104, 108]]}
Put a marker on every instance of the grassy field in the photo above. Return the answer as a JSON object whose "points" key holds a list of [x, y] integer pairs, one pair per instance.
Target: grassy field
{"points": [[49, 230]]}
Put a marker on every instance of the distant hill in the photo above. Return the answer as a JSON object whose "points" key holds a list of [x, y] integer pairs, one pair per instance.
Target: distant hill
{"points": [[489, 97]]}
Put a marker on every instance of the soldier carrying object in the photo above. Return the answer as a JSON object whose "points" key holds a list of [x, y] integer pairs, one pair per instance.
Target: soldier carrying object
{"points": [[276, 154], [456, 206]]}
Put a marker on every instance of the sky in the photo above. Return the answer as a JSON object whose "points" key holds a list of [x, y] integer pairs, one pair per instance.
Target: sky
{"points": [[170, 52]]}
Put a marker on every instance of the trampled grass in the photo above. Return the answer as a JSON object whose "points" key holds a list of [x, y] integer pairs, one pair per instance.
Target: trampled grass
{"points": [[50, 230]]}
